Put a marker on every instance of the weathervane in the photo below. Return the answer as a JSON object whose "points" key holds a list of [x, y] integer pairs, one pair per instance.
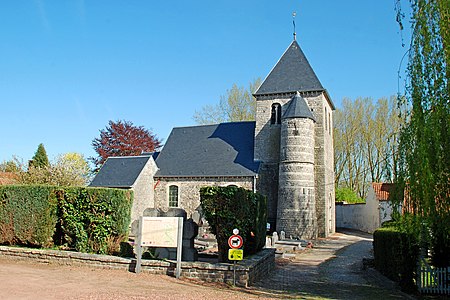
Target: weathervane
{"points": [[293, 22]]}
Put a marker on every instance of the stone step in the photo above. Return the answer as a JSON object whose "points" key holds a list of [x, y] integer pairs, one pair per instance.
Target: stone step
{"points": [[289, 243]]}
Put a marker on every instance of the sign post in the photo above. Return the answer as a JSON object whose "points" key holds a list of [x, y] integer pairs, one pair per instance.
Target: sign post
{"points": [[160, 232], [235, 242]]}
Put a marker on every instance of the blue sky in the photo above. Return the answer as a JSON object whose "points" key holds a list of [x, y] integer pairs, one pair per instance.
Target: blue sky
{"points": [[68, 67]]}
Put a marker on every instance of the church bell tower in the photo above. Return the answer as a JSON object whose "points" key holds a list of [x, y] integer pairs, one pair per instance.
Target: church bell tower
{"points": [[293, 142]]}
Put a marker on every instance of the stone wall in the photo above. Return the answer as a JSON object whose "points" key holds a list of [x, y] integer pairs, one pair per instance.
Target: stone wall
{"points": [[267, 185], [189, 190], [248, 271], [143, 192], [363, 217], [324, 162], [267, 150], [367, 216]]}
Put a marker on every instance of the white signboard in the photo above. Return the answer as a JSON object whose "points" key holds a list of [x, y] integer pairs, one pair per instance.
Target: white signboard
{"points": [[159, 232]]}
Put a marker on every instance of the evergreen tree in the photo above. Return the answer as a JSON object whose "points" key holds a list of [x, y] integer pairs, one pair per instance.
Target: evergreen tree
{"points": [[40, 158]]}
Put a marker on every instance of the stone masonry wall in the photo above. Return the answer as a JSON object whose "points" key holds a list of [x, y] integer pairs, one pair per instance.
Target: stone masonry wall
{"points": [[324, 163], [248, 271], [189, 189], [143, 192], [267, 150]]}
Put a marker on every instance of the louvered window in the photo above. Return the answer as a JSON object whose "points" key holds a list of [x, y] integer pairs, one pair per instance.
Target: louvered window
{"points": [[275, 118]]}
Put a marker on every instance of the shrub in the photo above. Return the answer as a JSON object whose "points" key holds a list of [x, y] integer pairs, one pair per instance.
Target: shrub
{"points": [[93, 219], [348, 195], [226, 208], [396, 253], [27, 215]]}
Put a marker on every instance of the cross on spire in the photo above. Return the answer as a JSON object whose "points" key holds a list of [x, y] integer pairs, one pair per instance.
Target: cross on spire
{"points": [[293, 22]]}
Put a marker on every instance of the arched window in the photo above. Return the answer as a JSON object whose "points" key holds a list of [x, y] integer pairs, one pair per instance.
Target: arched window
{"points": [[275, 117], [173, 196]]}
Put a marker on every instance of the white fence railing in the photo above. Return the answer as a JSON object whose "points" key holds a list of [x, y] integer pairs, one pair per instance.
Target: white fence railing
{"points": [[431, 280]]}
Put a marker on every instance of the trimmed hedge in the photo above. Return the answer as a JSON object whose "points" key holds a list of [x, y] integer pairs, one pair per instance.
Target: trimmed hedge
{"points": [[396, 253], [226, 208], [84, 219], [27, 215]]}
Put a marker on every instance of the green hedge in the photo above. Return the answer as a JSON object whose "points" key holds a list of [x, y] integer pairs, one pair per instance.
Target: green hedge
{"points": [[396, 253], [226, 208], [28, 215], [92, 220]]}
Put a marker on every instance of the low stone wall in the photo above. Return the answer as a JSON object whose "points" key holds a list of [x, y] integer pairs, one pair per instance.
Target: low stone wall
{"points": [[248, 270]]}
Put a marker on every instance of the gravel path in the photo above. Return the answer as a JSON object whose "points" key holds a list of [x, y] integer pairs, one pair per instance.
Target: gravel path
{"points": [[333, 269], [25, 280]]}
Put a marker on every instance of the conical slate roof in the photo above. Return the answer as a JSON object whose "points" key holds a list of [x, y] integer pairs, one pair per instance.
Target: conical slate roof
{"points": [[292, 73], [298, 108]]}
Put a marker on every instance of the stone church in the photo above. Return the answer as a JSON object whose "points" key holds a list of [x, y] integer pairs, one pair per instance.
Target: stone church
{"points": [[286, 154]]}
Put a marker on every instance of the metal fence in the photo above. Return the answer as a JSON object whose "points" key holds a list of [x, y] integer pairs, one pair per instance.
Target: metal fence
{"points": [[432, 280]]}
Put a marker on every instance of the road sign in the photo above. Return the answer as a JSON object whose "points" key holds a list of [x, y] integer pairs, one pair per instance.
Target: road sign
{"points": [[235, 254], [235, 241]]}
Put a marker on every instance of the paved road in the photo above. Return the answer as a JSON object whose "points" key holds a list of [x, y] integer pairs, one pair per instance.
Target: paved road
{"points": [[333, 269]]}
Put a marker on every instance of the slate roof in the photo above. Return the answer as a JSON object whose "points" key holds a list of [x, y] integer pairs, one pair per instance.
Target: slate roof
{"points": [[298, 108], [120, 172], [224, 149], [291, 73]]}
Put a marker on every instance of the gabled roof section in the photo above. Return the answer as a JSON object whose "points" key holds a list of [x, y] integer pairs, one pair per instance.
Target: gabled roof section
{"points": [[291, 73], [298, 108], [211, 150], [120, 172]]}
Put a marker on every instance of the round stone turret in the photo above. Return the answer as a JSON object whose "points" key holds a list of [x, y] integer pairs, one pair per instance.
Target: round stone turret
{"points": [[296, 213]]}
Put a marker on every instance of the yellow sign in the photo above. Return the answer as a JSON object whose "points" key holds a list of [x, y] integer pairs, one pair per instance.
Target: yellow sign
{"points": [[235, 254]]}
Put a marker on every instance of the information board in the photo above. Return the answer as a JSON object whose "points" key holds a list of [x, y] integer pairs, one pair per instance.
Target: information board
{"points": [[159, 232]]}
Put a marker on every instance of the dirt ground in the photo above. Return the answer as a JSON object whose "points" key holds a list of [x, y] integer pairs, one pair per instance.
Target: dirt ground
{"points": [[26, 280], [330, 270]]}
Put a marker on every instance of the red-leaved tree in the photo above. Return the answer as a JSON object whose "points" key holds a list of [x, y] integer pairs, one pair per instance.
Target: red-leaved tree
{"points": [[122, 138]]}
